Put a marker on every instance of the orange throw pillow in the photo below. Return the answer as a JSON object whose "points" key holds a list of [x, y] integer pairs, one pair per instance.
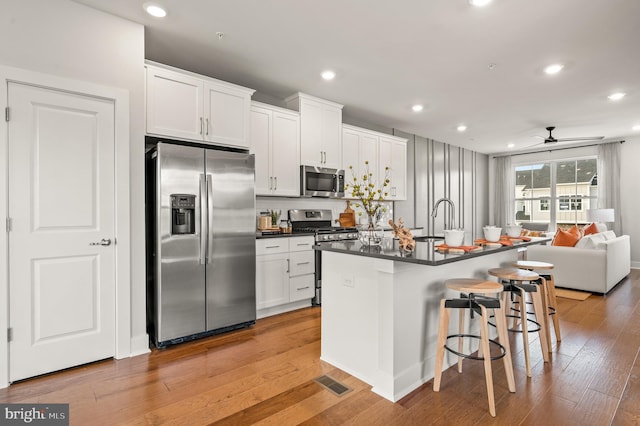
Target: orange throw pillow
{"points": [[591, 229], [575, 231], [565, 238]]}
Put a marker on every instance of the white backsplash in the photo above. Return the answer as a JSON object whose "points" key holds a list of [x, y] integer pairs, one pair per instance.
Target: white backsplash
{"points": [[336, 206]]}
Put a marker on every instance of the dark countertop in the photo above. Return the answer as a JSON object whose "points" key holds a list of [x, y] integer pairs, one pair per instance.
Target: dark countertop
{"points": [[424, 253], [297, 234]]}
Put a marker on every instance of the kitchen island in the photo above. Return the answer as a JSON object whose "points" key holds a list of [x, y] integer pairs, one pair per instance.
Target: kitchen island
{"points": [[380, 308]]}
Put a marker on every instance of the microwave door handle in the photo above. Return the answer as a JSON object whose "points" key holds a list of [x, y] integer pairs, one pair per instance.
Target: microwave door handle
{"points": [[203, 220], [210, 219]]}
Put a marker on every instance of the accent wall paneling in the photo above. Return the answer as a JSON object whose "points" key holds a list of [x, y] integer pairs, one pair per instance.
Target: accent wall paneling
{"points": [[436, 170]]}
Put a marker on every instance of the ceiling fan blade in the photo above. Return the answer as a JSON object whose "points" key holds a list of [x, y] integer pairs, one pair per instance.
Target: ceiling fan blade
{"points": [[593, 138]]}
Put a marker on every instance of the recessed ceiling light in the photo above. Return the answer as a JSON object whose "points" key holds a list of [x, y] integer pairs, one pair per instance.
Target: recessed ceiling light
{"points": [[328, 75], [616, 96], [479, 2], [554, 69], [511, 145], [154, 9], [461, 128], [636, 127], [417, 108]]}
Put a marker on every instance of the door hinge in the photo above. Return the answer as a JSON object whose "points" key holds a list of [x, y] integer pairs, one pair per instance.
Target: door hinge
{"points": [[9, 334], [6, 113], [9, 224]]}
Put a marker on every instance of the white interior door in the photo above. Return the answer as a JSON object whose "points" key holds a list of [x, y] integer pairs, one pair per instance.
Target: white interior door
{"points": [[61, 206]]}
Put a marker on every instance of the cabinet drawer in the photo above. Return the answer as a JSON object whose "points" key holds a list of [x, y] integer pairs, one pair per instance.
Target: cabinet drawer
{"points": [[301, 263], [272, 245], [300, 243], [301, 288]]}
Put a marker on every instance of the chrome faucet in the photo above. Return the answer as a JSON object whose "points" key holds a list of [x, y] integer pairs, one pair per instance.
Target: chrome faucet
{"points": [[452, 214]]}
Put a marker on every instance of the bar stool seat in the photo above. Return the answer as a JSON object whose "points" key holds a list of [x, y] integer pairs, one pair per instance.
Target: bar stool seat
{"points": [[473, 297], [523, 282], [550, 292]]}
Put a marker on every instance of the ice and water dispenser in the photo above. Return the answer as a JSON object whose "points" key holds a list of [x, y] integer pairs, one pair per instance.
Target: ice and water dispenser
{"points": [[183, 214]]}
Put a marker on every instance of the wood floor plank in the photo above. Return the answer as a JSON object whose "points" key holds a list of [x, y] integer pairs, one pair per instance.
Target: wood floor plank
{"points": [[264, 375]]}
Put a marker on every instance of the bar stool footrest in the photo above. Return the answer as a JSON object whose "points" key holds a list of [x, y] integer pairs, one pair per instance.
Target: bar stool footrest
{"points": [[502, 353]]}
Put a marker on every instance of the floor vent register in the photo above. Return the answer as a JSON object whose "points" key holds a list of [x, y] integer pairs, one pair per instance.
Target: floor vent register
{"points": [[332, 385]]}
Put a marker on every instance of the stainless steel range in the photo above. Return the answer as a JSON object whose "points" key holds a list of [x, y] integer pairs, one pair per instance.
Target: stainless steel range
{"points": [[318, 222]]}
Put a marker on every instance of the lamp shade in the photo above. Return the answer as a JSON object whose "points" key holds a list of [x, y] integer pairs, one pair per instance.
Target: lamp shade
{"points": [[600, 215]]}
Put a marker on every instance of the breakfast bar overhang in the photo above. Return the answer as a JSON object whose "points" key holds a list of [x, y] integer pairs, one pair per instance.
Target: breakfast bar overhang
{"points": [[380, 308]]}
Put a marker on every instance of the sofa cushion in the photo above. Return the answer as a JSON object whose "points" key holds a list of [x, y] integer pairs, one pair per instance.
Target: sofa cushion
{"points": [[565, 238], [590, 241], [592, 228], [609, 235]]}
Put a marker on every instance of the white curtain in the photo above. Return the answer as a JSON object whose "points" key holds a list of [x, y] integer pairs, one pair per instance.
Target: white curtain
{"points": [[503, 193], [609, 181]]}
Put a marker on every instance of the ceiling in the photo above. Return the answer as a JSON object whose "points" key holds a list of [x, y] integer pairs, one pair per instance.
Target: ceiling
{"points": [[390, 55]]}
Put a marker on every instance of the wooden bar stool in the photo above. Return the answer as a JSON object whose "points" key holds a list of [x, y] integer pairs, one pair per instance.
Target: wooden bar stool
{"points": [[550, 292], [523, 282], [475, 301]]}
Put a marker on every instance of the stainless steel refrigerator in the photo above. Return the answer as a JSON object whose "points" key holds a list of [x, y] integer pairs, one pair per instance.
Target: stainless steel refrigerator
{"points": [[200, 242]]}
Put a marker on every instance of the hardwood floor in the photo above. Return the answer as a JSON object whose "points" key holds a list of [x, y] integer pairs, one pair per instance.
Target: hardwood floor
{"points": [[264, 375]]}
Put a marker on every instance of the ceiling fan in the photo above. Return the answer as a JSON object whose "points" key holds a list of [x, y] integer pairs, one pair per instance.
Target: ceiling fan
{"points": [[551, 140]]}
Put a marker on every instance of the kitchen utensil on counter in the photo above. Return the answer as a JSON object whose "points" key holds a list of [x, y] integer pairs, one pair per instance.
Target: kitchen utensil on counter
{"points": [[348, 218]]}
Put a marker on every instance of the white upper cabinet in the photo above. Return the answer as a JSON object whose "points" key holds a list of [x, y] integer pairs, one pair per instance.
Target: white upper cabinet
{"points": [[275, 140], [393, 154], [381, 151], [359, 146], [320, 130], [185, 105]]}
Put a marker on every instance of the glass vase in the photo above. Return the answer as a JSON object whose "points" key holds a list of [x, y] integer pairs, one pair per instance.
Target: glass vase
{"points": [[371, 234]]}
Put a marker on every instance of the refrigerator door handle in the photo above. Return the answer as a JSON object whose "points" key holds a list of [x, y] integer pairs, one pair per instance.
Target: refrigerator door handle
{"points": [[203, 220], [209, 218]]}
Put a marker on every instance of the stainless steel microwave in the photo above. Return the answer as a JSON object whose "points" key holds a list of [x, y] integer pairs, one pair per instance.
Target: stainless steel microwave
{"points": [[321, 182]]}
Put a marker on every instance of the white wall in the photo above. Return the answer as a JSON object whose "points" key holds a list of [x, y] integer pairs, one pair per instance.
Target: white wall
{"points": [[66, 39], [629, 178]]}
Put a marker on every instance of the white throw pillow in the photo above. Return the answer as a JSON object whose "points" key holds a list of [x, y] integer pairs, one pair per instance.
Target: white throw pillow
{"points": [[601, 226], [590, 241], [608, 235]]}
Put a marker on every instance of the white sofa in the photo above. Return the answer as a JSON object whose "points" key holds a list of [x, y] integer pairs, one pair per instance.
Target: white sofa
{"points": [[596, 269]]}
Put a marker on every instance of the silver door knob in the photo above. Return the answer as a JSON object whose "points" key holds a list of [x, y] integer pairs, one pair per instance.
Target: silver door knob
{"points": [[103, 242]]}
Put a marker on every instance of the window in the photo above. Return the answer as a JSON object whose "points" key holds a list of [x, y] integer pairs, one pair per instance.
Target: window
{"points": [[556, 192]]}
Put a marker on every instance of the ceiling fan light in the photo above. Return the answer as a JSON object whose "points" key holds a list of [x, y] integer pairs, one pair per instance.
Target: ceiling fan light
{"points": [[553, 69], [616, 96]]}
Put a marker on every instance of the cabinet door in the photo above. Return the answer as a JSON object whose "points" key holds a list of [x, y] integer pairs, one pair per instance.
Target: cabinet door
{"points": [[399, 171], [301, 263], [285, 154], [174, 104], [301, 288], [350, 147], [226, 112], [393, 154], [272, 280], [332, 136], [260, 146], [311, 146]]}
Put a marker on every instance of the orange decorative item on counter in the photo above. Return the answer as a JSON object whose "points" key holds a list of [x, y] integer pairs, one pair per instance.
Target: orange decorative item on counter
{"points": [[405, 239]]}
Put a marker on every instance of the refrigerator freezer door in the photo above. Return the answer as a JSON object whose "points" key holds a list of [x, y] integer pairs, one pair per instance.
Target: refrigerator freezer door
{"points": [[231, 288], [179, 285]]}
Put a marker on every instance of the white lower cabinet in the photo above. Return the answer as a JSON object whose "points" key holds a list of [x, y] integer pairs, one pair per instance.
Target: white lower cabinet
{"points": [[285, 274]]}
